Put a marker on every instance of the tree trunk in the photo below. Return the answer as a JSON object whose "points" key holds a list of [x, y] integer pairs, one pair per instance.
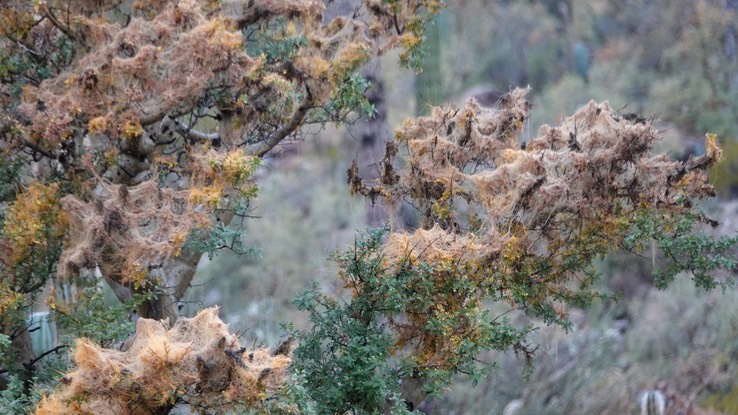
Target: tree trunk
{"points": [[21, 347], [373, 134], [429, 82]]}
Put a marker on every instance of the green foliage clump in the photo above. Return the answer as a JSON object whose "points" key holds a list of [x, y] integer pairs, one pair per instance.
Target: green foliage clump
{"points": [[353, 357], [10, 179], [346, 354], [686, 249], [95, 317], [15, 399]]}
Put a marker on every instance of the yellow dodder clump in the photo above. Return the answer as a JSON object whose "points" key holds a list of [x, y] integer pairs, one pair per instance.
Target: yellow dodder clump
{"points": [[34, 218], [135, 226], [514, 221], [196, 359]]}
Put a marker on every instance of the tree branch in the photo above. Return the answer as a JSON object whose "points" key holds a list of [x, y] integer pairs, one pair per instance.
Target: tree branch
{"points": [[26, 142], [261, 148], [194, 134], [29, 365], [160, 111], [58, 24], [245, 13]]}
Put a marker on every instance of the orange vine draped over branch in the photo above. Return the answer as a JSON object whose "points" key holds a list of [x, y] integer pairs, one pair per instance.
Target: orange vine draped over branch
{"points": [[512, 221], [154, 113], [197, 359]]}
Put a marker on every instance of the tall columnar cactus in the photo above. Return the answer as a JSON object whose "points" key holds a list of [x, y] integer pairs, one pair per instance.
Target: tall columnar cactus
{"points": [[652, 403], [513, 407], [43, 331]]}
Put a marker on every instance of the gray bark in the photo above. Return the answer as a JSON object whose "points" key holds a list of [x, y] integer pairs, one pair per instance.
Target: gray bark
{"points": [[372, 135]]}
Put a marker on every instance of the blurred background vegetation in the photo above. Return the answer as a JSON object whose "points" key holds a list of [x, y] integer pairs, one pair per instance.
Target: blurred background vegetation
{"points": [[672, 60]]}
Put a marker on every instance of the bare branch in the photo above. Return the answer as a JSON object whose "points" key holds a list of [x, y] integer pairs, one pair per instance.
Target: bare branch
{"points": [[261, 148], [245, 13], [194, 134], [26, 142], [64, 29], [32, 363]]}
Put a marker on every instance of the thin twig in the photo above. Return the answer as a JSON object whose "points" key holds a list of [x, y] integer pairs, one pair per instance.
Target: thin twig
{"points": [[58, 24]]}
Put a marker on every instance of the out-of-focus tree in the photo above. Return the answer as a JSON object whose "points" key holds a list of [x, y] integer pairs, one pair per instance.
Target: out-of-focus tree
{"points": [[695, 83], [505, 44], [429, 82]]}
